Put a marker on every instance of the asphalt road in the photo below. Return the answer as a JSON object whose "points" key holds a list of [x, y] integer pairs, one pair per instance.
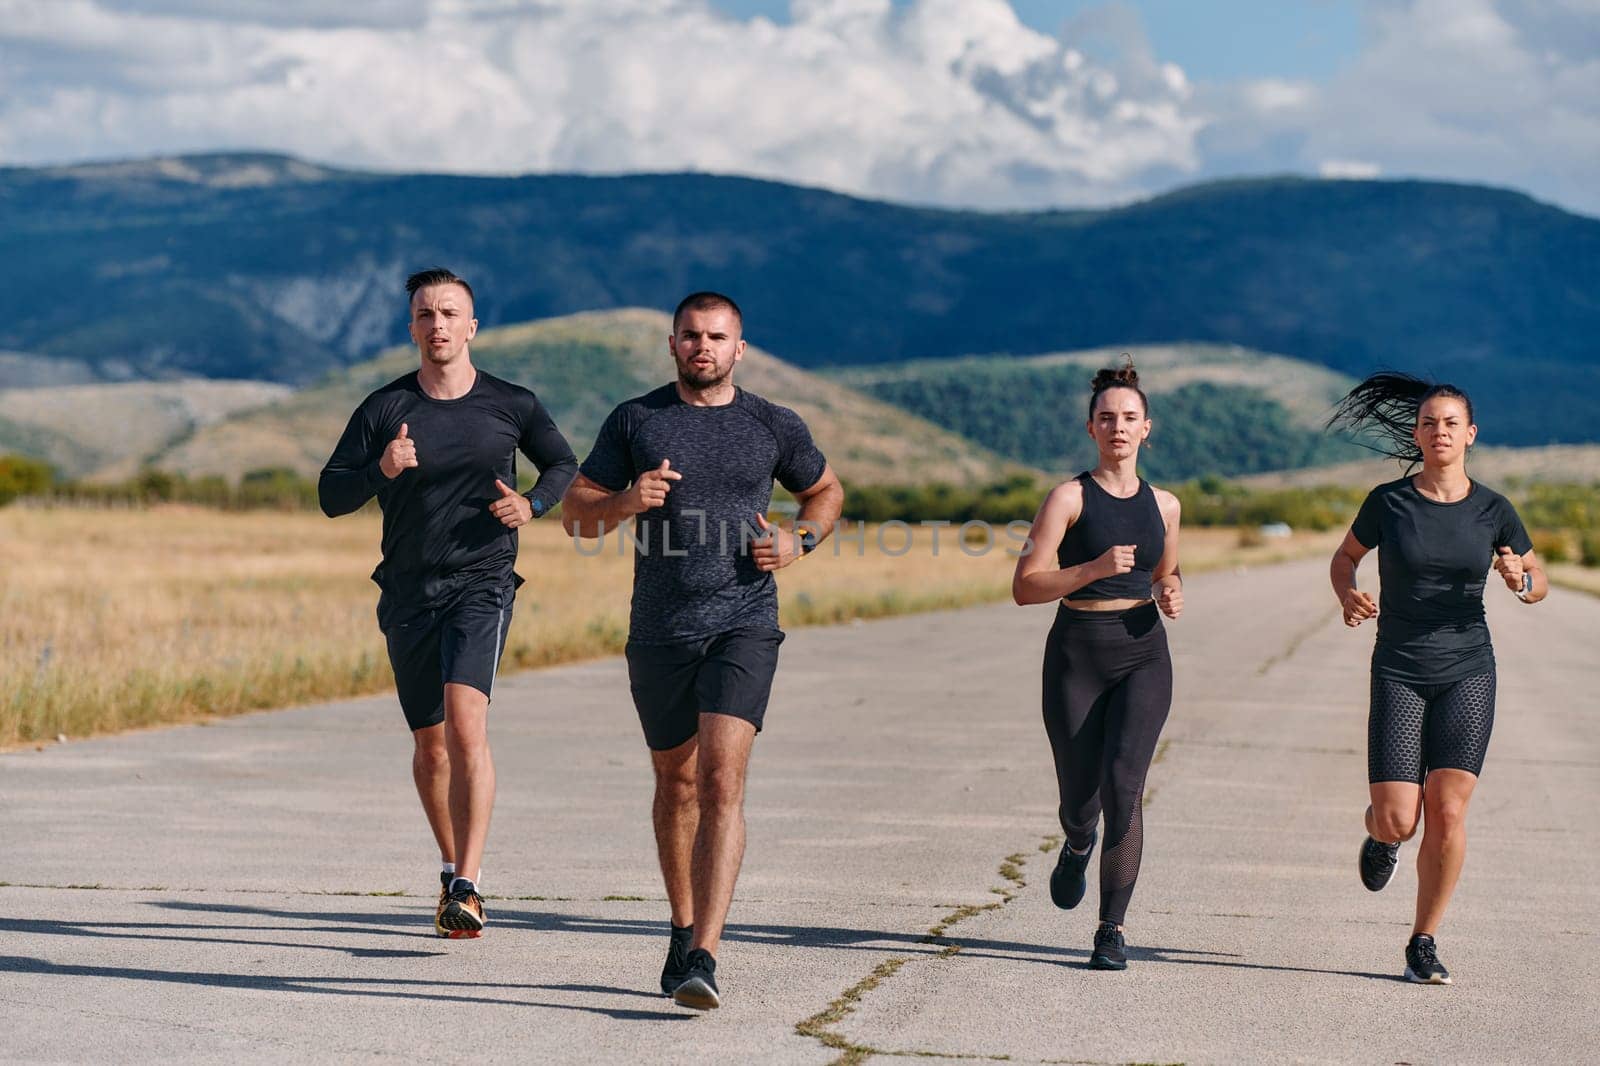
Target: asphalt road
{"points": [[261, 889]]}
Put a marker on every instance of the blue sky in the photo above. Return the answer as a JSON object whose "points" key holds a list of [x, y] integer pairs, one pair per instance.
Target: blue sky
{"points": [[983, 103]]}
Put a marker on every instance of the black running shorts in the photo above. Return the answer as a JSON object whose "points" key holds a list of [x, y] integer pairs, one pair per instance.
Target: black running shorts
{"points": [[1413, 730], [673, 684], [457, 642]]}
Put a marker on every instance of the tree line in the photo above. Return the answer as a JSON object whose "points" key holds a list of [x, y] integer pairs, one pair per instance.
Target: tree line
{"points": [[1563, 517]]}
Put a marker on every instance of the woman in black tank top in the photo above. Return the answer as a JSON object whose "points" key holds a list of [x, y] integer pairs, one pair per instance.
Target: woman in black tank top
{"points": [[1107, 674]]}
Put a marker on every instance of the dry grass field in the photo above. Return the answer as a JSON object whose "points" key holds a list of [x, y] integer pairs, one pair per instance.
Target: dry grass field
{"points": [[1576, 463], [1573, 576], [113, 620]]}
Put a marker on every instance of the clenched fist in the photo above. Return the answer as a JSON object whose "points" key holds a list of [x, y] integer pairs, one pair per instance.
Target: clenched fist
{"points": [[512, 508], [1509, 563], [653, 485], [399, 456], [1170, 600], [1358, 607], [775, 548], [1117, 559]]}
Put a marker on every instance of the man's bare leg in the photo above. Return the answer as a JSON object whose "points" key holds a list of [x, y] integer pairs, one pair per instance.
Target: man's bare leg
{"points": [[466, 730], [430, 769], [725, 744], [676, 816]]}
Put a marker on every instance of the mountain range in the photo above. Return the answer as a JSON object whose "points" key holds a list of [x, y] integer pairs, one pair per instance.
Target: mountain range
{"points": [[249, 266]]}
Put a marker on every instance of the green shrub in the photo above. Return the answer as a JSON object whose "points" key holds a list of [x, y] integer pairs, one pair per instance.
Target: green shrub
{"points": [[22, 476], [277, 488], [1589, 548], [1553, 545]]}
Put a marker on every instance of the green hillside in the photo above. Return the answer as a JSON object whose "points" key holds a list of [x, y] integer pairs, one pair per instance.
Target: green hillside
{"points": [[258, 266], [581, 366], [1216, 410]]}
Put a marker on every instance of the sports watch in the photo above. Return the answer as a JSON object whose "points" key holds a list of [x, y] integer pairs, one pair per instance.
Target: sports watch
{"points": [[1527, 587], [808, 541]]}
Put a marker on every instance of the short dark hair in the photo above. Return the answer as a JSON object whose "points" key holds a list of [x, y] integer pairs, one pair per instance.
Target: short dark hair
{"points": [[706, 301], [423, 279]]}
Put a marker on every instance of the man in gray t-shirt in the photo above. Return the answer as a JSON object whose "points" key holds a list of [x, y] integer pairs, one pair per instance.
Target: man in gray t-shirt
{"points": [[693, 464]]}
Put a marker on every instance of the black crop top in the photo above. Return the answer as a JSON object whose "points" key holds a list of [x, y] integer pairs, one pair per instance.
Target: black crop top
{"points": [[1105, 521]]}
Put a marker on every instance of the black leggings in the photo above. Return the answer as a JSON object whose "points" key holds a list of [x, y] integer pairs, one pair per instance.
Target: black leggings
{"points": [[1107, 690], [1414, 729]]}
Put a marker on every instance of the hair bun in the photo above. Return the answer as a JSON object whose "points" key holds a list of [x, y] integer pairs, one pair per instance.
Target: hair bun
{"points": [[1116, 377]]}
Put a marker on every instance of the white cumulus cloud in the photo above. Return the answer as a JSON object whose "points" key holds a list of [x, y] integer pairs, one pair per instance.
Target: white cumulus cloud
{"points": [[1499, 91], [949, 101], [938, 101]]}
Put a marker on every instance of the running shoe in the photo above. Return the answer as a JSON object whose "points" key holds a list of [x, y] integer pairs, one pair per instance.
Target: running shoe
{"points": [[444, 897], [445, 878], [1422, 962], [699, 987], [1108, 949], [1067, 880], [463, 909], [676, 971], [1377, 862]]}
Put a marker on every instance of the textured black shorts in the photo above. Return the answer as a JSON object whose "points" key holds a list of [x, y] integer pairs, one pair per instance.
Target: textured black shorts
{"points": [[458, 642], [1415, 729], [730, 673]]}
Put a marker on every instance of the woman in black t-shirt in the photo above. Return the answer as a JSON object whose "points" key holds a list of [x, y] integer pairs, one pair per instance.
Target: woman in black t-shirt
{"points": [[1433, 672]]}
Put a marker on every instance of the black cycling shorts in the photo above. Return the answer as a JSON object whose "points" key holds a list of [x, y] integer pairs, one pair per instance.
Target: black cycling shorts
{"points": [[1415, 729]]}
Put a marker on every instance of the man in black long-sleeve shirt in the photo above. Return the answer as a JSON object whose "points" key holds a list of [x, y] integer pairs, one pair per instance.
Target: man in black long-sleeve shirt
{"points": [[438, 448]]}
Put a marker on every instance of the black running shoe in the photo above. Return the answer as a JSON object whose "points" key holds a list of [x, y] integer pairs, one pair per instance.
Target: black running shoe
{"points": [[677, 967], [463, 909], [1422, 962], [1067, 881], [1377, 863], [1108, 949], [698, 989]]}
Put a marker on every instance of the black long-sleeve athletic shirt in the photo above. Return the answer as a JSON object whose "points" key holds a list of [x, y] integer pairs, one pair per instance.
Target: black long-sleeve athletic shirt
{"points": [[438, 534]]}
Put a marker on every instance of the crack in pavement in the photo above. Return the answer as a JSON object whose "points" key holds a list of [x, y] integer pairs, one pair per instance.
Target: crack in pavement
{"points": [[819, 1026], [1293, 646]]}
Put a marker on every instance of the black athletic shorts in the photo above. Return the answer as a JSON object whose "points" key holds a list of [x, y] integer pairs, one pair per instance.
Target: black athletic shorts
{"points": [[456, 642], [673, 684], [1413, 730]]}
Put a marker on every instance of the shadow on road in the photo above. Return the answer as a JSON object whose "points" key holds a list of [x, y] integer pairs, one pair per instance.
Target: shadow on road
{"points": [[378, 988], [407, 923]]}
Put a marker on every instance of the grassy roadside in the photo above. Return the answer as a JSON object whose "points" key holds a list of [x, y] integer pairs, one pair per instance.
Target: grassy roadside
{"points": [[1573, 576], [115, 620]]}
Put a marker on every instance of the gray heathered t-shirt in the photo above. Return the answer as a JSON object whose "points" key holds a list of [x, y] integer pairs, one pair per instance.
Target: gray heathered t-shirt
{"points": [[693, 576]]}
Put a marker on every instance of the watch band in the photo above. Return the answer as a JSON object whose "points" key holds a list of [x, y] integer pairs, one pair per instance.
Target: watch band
{"points": [[808, 541]]}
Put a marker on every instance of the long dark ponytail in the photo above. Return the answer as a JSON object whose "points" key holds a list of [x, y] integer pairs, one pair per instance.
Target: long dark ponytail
{"points": [[1381, 412]]}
